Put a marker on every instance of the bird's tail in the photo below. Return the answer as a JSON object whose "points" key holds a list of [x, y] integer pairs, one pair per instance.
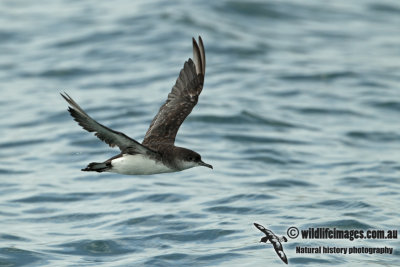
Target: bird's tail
{"points": [[97, 167]]}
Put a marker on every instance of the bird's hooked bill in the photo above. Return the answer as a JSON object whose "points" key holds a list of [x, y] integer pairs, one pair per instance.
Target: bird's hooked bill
{"points": [[205, 164]]}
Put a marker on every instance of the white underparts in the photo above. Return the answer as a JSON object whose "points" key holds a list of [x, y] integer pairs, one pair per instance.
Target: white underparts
{"points": [[137, 165]]}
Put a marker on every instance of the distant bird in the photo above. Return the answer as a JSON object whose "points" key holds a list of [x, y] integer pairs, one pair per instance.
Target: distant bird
{"points": [[157, 153], [275, 241]]}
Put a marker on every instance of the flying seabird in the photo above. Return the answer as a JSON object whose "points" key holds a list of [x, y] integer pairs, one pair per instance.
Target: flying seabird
{"points": [[275, 241], [157, 153]]}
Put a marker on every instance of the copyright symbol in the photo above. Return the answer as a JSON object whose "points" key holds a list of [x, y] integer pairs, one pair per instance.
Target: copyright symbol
{"points": [[292, 232]]}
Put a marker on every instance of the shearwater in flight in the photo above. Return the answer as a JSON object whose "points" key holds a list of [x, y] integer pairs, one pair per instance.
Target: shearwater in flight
{"points": [[275, 241], [157, 153]]}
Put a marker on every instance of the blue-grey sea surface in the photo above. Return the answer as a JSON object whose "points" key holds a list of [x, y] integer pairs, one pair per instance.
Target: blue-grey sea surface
{"points": [[299, 115]]}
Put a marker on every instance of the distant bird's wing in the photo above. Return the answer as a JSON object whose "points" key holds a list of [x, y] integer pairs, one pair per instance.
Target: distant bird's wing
{"points": [[279, 250], [274, 240], [264, 230], [181, 100], [105, 134]]}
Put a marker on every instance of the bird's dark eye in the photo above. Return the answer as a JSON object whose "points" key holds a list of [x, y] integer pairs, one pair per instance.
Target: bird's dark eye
{"points": [[190, 159]]}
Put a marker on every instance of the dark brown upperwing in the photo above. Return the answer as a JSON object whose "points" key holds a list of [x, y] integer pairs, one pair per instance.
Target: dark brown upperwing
{"points": [[180, 102], [105, 134]]}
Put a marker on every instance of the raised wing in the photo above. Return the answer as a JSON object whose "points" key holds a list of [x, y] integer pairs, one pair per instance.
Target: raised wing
{"points": [[105, 134], [181, 100]]}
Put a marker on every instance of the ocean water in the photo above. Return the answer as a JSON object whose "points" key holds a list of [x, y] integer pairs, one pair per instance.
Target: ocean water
{"points": [[299, 115]]}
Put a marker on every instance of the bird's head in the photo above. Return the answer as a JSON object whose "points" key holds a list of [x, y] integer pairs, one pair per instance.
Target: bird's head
{"points": [[188, 159], [264, 239]]}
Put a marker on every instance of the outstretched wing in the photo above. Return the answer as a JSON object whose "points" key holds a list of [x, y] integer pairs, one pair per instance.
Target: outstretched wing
{"points": [[279, 250], [181, 100], [263, 229], [275, 241], [105, 134]]}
